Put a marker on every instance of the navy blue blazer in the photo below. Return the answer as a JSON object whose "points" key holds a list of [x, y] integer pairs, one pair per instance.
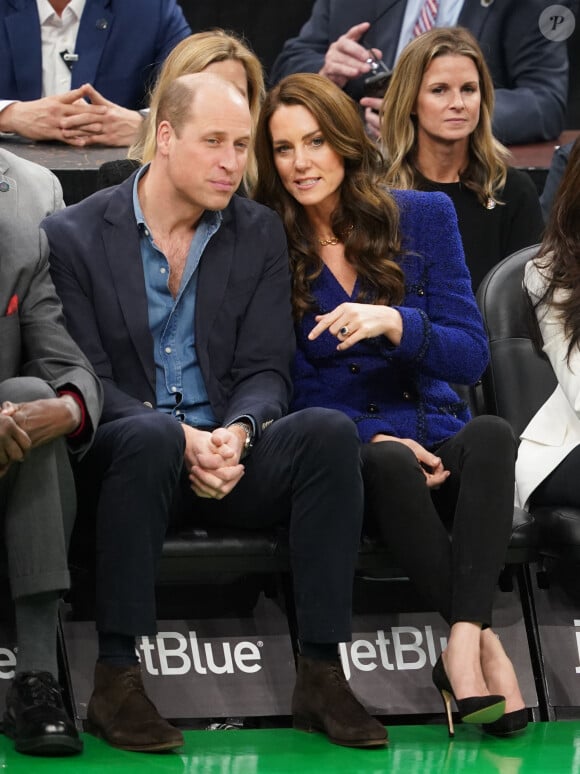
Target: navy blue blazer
{"points": [[120, 44], [243, 322], [530, 72], [403, 390]]}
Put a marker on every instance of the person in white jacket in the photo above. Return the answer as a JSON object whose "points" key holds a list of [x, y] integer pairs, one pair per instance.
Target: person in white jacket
{"points": [[549, 454]]}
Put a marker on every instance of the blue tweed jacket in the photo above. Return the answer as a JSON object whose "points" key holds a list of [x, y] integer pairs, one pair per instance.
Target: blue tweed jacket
{"points": [[404, 390]]}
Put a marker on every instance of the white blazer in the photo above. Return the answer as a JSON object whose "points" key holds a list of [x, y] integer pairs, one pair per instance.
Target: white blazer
{"points": [[555, 429]]}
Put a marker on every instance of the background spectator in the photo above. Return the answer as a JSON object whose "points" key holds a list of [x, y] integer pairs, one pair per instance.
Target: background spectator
{"points": [[529, 71], [54, 53], [438, 138], [214, 51]]}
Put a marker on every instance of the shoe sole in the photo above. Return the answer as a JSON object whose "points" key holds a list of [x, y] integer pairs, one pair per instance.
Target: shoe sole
{"points": [[48, 746], [501, 733], [162, 747], [310, 728], [487, 715]]}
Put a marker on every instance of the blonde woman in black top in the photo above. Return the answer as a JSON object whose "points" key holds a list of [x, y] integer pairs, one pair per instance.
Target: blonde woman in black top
{"points": [[436, 136]]}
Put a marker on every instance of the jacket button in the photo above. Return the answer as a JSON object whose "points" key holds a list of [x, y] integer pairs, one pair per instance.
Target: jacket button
{"points": [[354, 368], [420, 292], [373, 408], [148, 404], [406, 395]]}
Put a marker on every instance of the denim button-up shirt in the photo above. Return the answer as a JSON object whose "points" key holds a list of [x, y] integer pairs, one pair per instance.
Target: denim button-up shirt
{"points": [[180, 388]]}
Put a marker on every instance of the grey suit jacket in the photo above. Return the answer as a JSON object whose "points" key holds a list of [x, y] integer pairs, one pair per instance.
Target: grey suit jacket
{"points": [[529, 71], [33, 337]]}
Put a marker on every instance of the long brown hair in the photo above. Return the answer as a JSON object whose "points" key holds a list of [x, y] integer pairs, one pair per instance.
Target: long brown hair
{"points": [[486, 170], [559, 256], [366, 218]]}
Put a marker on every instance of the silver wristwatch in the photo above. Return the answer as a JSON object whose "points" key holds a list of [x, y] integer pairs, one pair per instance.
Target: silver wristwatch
{"points": [[248, 443]]}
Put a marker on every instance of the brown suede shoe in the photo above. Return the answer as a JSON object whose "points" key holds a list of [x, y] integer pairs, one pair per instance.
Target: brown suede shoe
{"points": [[121, 713], [323, 701]]}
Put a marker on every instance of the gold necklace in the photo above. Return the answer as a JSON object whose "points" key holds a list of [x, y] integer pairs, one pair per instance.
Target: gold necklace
{"points": [[333, 240]]}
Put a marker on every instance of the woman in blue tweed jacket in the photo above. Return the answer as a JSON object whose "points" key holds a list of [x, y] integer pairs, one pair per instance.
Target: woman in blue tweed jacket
{"points": [[385, 319]]}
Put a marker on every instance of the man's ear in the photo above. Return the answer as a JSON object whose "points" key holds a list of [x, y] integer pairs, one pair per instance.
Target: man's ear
{"points": [[164, 134]]}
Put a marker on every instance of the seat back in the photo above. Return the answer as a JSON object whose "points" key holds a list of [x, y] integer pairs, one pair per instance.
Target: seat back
{"points": [[518, 379]]}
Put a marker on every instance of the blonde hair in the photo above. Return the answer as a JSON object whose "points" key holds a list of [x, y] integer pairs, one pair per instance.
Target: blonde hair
{"points": [[486, 170], [193, 55]]}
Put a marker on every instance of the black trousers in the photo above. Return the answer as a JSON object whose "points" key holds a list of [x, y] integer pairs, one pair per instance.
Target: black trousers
{"points": [[304, 471], [452, 541], [562, 486]]}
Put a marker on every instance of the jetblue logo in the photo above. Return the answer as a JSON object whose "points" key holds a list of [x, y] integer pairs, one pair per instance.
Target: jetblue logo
{"points": [[406, 647], [7, 663], [172, 653], [399, 648]]}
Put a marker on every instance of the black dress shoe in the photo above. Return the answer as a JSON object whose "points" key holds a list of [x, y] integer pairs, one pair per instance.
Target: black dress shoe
{"points": [[508, 724], [36, 719]]}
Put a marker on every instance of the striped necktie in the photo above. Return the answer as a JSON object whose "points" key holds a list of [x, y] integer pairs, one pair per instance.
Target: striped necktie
{"points": [[427, 17]]}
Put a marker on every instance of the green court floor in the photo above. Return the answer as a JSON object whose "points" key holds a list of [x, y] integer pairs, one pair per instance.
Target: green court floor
{"points": [[545, 747]]}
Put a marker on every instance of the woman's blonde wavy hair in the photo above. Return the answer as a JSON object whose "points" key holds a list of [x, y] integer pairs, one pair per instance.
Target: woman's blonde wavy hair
{"points": [[193, 55], [486, 170]]}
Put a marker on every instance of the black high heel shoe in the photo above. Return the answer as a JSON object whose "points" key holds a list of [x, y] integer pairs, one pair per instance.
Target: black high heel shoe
{"points": [[473, 709], [508, 724]]}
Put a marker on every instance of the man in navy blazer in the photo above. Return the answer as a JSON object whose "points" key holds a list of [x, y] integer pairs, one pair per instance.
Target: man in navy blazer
{"points": [[118, 48], [529, 69], [178, 292]]}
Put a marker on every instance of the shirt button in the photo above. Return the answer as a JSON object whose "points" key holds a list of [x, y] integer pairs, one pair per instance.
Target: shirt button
{"points": [[407, 395], [146, 232], [174, 388], [373, 408], [421, 292], [162, 270], [148, 404], [168, 350], [354, 368]]}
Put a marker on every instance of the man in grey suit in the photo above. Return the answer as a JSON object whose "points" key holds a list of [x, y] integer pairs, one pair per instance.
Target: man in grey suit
{"points": [[50, 403]]}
